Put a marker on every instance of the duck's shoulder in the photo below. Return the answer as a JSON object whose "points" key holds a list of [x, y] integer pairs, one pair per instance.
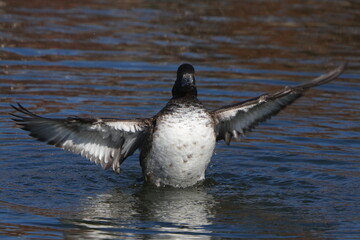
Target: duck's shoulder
{"points": [[183, 106], [184, 112]]}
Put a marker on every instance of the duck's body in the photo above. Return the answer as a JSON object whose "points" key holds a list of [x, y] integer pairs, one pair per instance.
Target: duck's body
{"points": [[176, 145], [181, 145]]}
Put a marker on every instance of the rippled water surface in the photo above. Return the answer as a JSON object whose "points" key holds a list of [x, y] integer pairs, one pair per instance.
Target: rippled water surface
{"points": [[295, 176]]}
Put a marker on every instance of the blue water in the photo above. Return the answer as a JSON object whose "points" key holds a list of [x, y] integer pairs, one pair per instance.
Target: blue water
{"points": [[294, 177]]}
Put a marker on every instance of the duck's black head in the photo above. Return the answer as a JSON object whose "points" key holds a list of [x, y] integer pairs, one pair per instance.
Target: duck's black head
{"points": [[185, 82]]}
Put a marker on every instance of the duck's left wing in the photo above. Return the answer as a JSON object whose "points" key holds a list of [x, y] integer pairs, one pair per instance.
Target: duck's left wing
{"points": [[104, 141], [234, 120]]}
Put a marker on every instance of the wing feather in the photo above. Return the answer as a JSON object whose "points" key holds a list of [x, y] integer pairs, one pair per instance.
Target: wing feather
{"points": [[235, 120], [107, 142]]}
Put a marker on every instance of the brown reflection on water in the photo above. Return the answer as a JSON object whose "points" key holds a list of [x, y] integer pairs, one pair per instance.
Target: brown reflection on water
{"points": [[265, 33]]}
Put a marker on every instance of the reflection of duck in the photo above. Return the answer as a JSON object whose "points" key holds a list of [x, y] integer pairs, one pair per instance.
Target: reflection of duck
{"points": [[168, 213], [177, 144]]}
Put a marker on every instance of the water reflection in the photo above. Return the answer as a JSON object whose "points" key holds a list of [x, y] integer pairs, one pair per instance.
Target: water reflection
{"points": [[150, 213], [161, 213]]}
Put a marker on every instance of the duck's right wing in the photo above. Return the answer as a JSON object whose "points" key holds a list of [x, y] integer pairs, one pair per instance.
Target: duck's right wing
{"points": [[104, 141], [234, 120]]}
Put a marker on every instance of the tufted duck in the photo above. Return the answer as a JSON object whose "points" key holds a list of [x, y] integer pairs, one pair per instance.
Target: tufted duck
{"points": [[176, 144]]}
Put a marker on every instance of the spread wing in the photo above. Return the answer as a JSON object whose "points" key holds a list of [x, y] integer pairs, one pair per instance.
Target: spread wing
{"points": [[234, 120], [104, 141]]}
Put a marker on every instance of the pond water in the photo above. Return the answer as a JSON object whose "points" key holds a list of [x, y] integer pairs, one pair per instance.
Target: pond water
{"points": [[295, 176]]}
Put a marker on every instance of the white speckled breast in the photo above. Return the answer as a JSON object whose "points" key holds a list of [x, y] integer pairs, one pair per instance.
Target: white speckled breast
{"points": [[182, 145]]}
